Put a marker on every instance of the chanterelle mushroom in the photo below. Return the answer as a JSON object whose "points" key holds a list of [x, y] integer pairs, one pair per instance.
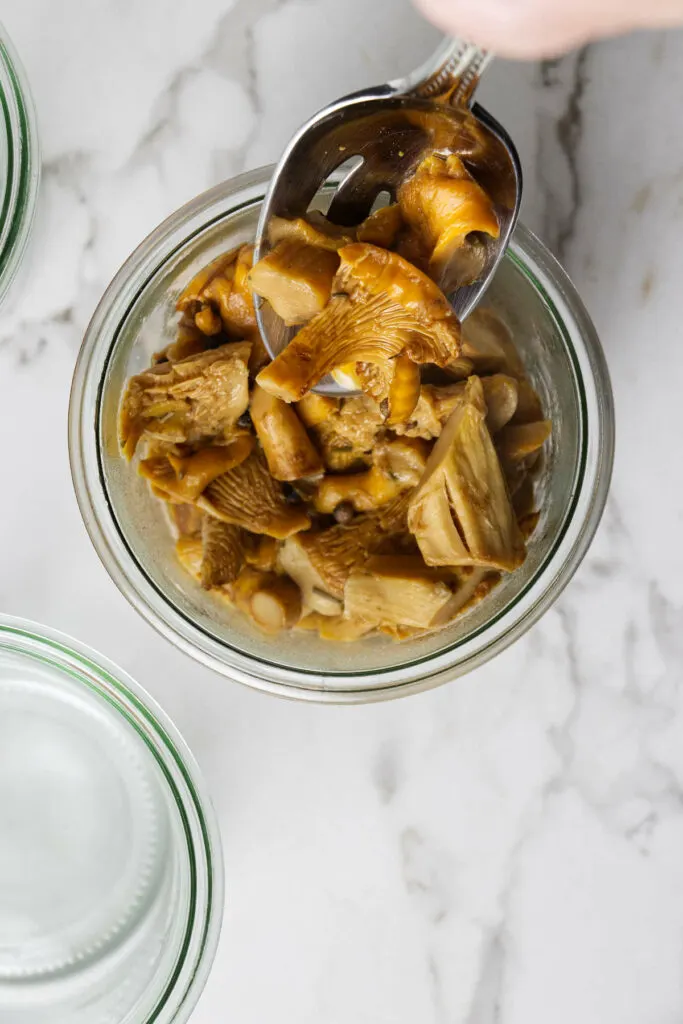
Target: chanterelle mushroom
{"points": [[223, 265], [273, 602], [296, 279], [315, 229], [488, 344], [183, 478], [519, 440], [322, 561], [345, 430], [381, 306], [397, 466], [435, 405], [231, 296], [381, 227], [195, 399], [444, 204], [289, 450], [249, 497], [222, 553], [396, 590], [461, 513]]}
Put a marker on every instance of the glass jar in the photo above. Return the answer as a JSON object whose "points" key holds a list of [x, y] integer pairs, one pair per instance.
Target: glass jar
{"points": [[111, 876], [19, 164], [136, 317]]}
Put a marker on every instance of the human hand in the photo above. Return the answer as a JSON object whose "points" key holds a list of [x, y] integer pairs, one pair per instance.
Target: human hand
{"points": [[545, 28]]}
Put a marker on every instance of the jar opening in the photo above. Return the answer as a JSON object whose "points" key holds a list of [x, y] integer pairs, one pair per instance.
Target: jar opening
{"points": [[135, 318]]}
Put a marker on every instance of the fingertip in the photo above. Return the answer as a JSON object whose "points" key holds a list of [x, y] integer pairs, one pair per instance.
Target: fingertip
{"points": [[508, 28]]}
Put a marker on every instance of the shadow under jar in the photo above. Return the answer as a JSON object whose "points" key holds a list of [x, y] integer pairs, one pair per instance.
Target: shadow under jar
{"points": [[137, 317]]}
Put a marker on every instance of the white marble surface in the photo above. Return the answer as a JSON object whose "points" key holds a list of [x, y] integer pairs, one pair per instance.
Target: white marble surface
{"points": [[505, 850]]}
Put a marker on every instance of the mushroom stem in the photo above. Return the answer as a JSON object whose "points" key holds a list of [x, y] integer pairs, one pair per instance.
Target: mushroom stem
{"points": [[273, 602], [288, 449]]}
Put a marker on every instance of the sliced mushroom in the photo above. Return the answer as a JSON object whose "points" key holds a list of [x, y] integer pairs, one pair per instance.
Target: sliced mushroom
{"points": [[183, 520], [296, 279], [222, 553], [315, 409], [189, 342], [249, 497], [488, 344], [381, 227], [396, 590], [184, 478], [277, 606], [190, 553], [208, 321], [221, 266], [331, 555], [289, 451], [517, 441], [381, 306], [529, 408], [261, 552], [471, 585], [295, 561], [273, 602], [461, 514], [444, 204], [500, 393], [195, 399], [435, 405], [232, 297], [315, 230]]}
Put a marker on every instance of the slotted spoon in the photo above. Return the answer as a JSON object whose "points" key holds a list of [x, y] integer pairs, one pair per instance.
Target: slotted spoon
{"points": [[381, 134]]}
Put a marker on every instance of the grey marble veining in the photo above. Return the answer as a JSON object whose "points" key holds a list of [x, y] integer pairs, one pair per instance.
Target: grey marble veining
{"points": [[505, 850]]}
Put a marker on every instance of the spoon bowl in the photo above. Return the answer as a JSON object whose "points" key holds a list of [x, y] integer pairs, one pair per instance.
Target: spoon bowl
{"points": [[371, 142]]}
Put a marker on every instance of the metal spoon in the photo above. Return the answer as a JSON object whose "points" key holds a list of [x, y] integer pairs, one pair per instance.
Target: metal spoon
{"points": [[388, 129]]}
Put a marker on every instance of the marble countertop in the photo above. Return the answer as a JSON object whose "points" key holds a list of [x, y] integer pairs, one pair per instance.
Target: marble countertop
{"points": [[504, 850]]}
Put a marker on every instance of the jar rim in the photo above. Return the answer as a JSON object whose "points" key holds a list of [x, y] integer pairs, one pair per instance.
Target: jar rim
{"points": [[19, 136], [588, 496], [61, 654]]}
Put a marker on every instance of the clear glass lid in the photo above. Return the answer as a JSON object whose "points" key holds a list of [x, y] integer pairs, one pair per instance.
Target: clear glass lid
{"points": [[110, 867], [19, 163]]}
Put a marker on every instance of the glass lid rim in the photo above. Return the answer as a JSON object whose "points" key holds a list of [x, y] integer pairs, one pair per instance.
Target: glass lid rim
{"points": [[63, 655]]}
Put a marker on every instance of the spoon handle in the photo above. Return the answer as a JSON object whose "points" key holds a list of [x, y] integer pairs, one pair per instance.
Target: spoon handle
{"points": [[450, 75]]}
